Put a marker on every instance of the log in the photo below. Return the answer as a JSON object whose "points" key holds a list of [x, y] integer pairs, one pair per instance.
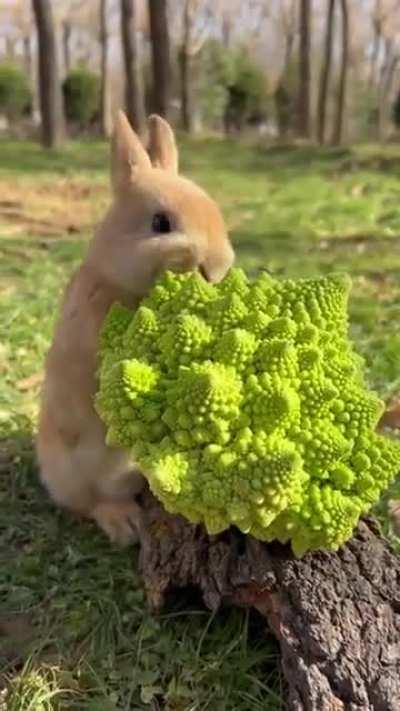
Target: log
{"points": [[336, 615]]}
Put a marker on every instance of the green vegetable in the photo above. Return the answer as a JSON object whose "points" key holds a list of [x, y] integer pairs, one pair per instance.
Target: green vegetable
{"points": [[245, 404]]}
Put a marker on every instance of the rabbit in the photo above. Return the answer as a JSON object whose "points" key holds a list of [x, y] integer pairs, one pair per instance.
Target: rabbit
{"points": [[157, 221]]}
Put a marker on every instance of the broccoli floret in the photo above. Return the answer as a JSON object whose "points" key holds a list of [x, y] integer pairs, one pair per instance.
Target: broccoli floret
{"points": [[114, 329], [226, 313], [236, 282], [185, 340], [202, 402], [128, 402], [236, 348], [193, 296], [245, 403], [142, 335]]}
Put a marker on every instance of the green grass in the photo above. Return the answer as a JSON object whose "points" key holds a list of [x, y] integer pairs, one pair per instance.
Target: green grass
{"points": [[74, 629]]}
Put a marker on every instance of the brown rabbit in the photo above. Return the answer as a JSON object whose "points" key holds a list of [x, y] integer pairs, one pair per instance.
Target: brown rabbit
{"points": [[158, 221]]}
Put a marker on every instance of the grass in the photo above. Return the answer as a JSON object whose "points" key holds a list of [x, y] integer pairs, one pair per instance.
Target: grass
{"points": [[74, 629]]}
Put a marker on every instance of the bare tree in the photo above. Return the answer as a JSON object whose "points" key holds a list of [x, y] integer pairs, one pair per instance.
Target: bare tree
{"points": [[341, 98], [160, 55], [51, 101], [377, 26], [385, 22], [66, 44], [283, 95], [19, 15], [105, 99], [27, 48], [288, 28], [325, 73], [192, 41], [134, 101], [186, 62], [389, 66], [80, 31], [303, 99]]}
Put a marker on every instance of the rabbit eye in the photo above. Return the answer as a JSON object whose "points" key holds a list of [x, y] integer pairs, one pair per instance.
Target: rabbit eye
{"points": [[161, 223]]}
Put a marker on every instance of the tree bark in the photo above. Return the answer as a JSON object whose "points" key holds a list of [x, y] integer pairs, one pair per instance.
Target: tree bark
{"points": [[283, 95], [51, 101], [377, 22], [27, 55], [186, 71], [335, 615], [226, 28], [325, 74], [303, 101], [385, 85], [134, 100], [289, 42], [341, 99], [160, 55], [105, 99], [30, 71], [66, 44]]}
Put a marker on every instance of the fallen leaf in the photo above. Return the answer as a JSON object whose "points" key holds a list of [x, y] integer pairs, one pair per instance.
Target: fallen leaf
{"points": [[31, 382]]}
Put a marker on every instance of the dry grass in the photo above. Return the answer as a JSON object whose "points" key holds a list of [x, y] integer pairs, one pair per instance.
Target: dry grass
{"points": [[50, 208]]}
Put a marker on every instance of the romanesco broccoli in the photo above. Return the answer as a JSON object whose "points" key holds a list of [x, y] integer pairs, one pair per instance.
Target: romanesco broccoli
{"points": [[245, 404]]}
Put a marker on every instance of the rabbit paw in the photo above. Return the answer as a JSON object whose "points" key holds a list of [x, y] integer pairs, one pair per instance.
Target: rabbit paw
{"points": [[181, 256], [118, 519]]}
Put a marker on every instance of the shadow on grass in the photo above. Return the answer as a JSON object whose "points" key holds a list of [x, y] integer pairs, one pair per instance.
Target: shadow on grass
{"points": [[74, 624]]}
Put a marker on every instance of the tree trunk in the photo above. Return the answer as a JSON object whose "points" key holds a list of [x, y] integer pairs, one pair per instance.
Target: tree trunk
{"points": [[187, 98], [283, 109], [386, 82], [134, 100], [186, 70], [29, 69], [51, 101], [160, 55], [66, 43], [283, 96], [28, 55], [289, 42], [375, 52], [10, 48], [226, 30], [325, 73], [341, 99], [105, 99], [386, 90], [303, 101], [336, 615]]}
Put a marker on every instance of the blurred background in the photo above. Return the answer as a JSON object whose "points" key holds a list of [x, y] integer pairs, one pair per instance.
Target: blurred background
{"points": [[316, 69], [288, 113]]}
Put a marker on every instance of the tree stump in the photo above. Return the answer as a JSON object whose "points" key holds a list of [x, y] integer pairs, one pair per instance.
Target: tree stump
{"points": [[336, 615]]}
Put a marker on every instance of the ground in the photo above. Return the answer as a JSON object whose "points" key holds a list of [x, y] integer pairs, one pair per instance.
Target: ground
{"points": [[74, 629]]}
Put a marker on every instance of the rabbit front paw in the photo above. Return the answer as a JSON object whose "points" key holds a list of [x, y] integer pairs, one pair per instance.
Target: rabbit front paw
{"points": [[120, 520]]}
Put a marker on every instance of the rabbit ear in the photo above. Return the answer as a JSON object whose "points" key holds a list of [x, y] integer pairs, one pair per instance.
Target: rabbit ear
{"points": [[162, 147], [127, 154]]}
